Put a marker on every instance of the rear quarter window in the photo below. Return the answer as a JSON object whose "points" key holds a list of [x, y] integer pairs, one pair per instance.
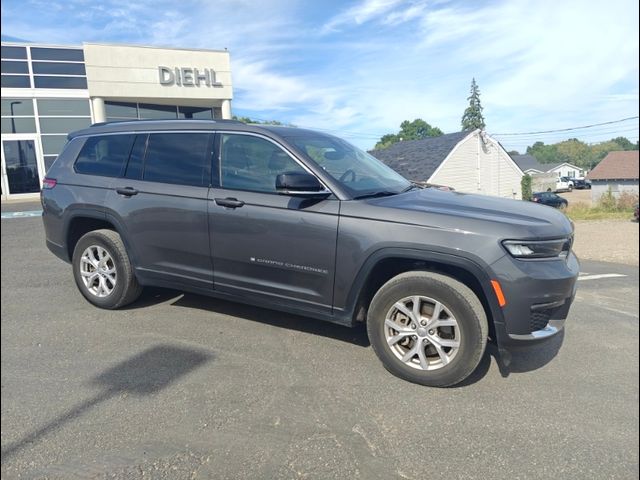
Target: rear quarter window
{"points": [[104, 155]]}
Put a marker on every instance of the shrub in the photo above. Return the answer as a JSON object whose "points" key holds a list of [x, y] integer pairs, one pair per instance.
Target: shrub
{"points": [[525, 185]]}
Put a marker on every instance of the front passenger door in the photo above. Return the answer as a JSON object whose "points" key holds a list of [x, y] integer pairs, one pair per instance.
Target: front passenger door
{"points": [[265, 245]]}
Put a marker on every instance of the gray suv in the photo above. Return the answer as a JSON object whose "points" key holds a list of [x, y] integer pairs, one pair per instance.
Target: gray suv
{"points": [[303, 222]]}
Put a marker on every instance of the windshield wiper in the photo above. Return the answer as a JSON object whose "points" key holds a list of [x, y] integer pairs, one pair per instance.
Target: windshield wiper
{"points": [[383, 193], [411, 187]]}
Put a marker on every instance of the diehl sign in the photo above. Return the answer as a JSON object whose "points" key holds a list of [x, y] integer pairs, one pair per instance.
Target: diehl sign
{"points": [[188, 77]]}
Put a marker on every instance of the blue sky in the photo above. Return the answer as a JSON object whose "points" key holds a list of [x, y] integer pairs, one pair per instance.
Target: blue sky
{"points": [[359, 68]]}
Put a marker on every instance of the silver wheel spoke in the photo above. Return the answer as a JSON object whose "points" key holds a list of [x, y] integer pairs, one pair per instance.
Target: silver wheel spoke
{"points": [[98, 271], [427, 341]]}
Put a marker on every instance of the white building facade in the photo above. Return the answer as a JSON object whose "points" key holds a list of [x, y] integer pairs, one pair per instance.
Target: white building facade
{"points": [[49, 91]]}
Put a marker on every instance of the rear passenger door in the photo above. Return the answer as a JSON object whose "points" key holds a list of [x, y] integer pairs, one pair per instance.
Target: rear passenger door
{"points": [[161, 203]]}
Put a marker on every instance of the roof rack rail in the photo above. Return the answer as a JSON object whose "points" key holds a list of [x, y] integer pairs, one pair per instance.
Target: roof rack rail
{"points": [[219, 120]]}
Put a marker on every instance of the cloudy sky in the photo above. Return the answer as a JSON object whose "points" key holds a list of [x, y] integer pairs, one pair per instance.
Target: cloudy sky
{"points": [[359, 68]]}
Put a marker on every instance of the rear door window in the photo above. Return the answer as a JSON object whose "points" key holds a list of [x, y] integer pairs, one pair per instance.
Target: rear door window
{"points": [[179, 158], [104, 155]]}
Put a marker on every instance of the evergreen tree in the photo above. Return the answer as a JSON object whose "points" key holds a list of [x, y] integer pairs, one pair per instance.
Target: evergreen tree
{"points": [[472, 117]]}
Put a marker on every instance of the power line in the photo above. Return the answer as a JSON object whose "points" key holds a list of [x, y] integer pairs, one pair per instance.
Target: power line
{"points": [[569, 129]]}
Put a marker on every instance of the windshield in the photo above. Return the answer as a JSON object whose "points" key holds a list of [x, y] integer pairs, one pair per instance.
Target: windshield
{"points": [[361, 174]]}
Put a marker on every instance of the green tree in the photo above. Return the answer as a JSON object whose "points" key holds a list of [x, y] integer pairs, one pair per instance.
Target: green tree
{"points": [[472, 117], [526, 186], [261, 122], [415, 130]]}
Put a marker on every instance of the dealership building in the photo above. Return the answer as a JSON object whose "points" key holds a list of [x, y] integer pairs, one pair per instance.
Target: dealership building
{"points": [[49, 91]]}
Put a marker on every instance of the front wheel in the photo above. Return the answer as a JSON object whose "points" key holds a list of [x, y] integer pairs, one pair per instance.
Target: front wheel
{"points": [[427, 328], [102, 270]]}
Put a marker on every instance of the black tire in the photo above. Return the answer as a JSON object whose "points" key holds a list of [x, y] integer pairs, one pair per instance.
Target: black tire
{"points": [[458, 299], [126, 289]]}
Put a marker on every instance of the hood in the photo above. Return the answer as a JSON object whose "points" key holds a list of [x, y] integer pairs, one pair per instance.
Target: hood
{"points": [[468, 212]]}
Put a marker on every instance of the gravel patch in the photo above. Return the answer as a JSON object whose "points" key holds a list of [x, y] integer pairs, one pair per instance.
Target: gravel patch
{"points": [[607, 241]]}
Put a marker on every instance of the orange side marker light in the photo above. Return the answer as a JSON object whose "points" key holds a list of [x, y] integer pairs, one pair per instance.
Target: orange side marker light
{"points": [[499, 294]]}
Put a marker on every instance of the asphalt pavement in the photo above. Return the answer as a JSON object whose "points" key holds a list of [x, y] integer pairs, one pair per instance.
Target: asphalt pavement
{"points": [[183, 386]]}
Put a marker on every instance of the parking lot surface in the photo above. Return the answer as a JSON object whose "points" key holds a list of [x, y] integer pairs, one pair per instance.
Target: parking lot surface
{"points": [[183, 386]]}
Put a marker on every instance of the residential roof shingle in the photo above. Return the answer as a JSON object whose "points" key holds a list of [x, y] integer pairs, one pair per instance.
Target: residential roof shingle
{"points": [[619, 165], [416, 160], [529, 162]]}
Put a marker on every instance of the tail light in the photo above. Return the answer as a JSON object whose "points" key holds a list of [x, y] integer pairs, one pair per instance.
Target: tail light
{"points": [[49, 183], [536, 199]]}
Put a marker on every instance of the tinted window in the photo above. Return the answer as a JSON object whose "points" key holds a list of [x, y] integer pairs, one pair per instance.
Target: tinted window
{"points": [[15, 81], [63, 125], [252, 163], [195, 112], [17, 106], [121, 110], [59, 68], [60, 54], [104, 155], [63, 108], [18, 125], [14, 52], [60, 82], [157, 111], [52, 144], [134, 167], [15, 67], [181, 158]]}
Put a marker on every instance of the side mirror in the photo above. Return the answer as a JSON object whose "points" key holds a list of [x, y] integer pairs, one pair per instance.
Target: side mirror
{"points": [[300, 184]]}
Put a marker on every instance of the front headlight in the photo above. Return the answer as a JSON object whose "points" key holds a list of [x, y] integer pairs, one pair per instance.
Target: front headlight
{"points": [[538, 248]]}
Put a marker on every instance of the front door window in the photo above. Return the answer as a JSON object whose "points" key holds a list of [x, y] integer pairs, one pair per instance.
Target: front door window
{"points": [[21, 166]]}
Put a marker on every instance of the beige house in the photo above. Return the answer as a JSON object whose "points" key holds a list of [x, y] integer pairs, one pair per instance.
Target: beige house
{"points": [[471, 162]]}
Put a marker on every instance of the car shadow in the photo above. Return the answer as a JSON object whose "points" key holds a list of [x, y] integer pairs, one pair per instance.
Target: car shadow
{"points": [[146, 373]]}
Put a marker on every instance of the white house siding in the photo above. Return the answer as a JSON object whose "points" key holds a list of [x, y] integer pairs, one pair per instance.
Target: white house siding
{"points": [[566, 170], [476, 166], [459, 170], [600, 187]]}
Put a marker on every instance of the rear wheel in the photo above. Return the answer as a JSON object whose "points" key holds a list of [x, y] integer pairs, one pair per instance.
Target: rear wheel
{"points": [[427, 328], [102, 270]]}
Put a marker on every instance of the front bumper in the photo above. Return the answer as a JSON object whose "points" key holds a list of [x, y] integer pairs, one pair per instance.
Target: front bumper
{"points": [[539, 294]]}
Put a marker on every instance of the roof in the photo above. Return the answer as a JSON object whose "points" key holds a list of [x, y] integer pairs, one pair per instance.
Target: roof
{"points": [[620, 165], [529, 162], [185, 124], [417, 159]]}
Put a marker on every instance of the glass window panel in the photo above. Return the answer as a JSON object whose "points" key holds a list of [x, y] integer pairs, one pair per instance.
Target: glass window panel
{"points": [[48, 161], [252, 163], [136, 159], [22, 166], [60, 54], [18, 125], [217, 112], [199, 113], [63, 125], [13, 52], [15, 67], [104, 155], [60, 82], [15, 81], [17, 106], [118, 110], [52, 144], [157, 111], [59, 68], [180, 158], [67, 107]]}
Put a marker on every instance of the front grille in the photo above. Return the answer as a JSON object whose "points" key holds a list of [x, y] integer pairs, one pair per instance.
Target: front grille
{"points": [[539, 320]]}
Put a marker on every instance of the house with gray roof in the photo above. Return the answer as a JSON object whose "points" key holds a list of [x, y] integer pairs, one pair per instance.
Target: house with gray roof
{"points": [[531, 166], [471, 162]]}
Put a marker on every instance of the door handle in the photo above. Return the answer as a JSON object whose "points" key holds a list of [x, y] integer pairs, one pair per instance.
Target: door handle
{"points": [[229, 202], [127, 191]]}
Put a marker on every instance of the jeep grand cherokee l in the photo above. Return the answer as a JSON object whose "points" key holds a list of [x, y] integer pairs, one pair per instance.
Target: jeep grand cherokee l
{"points": [[303, 222]]}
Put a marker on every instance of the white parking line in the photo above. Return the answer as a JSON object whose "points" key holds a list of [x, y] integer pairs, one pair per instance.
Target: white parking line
{"points": [[602, 275], [31, 213]]}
